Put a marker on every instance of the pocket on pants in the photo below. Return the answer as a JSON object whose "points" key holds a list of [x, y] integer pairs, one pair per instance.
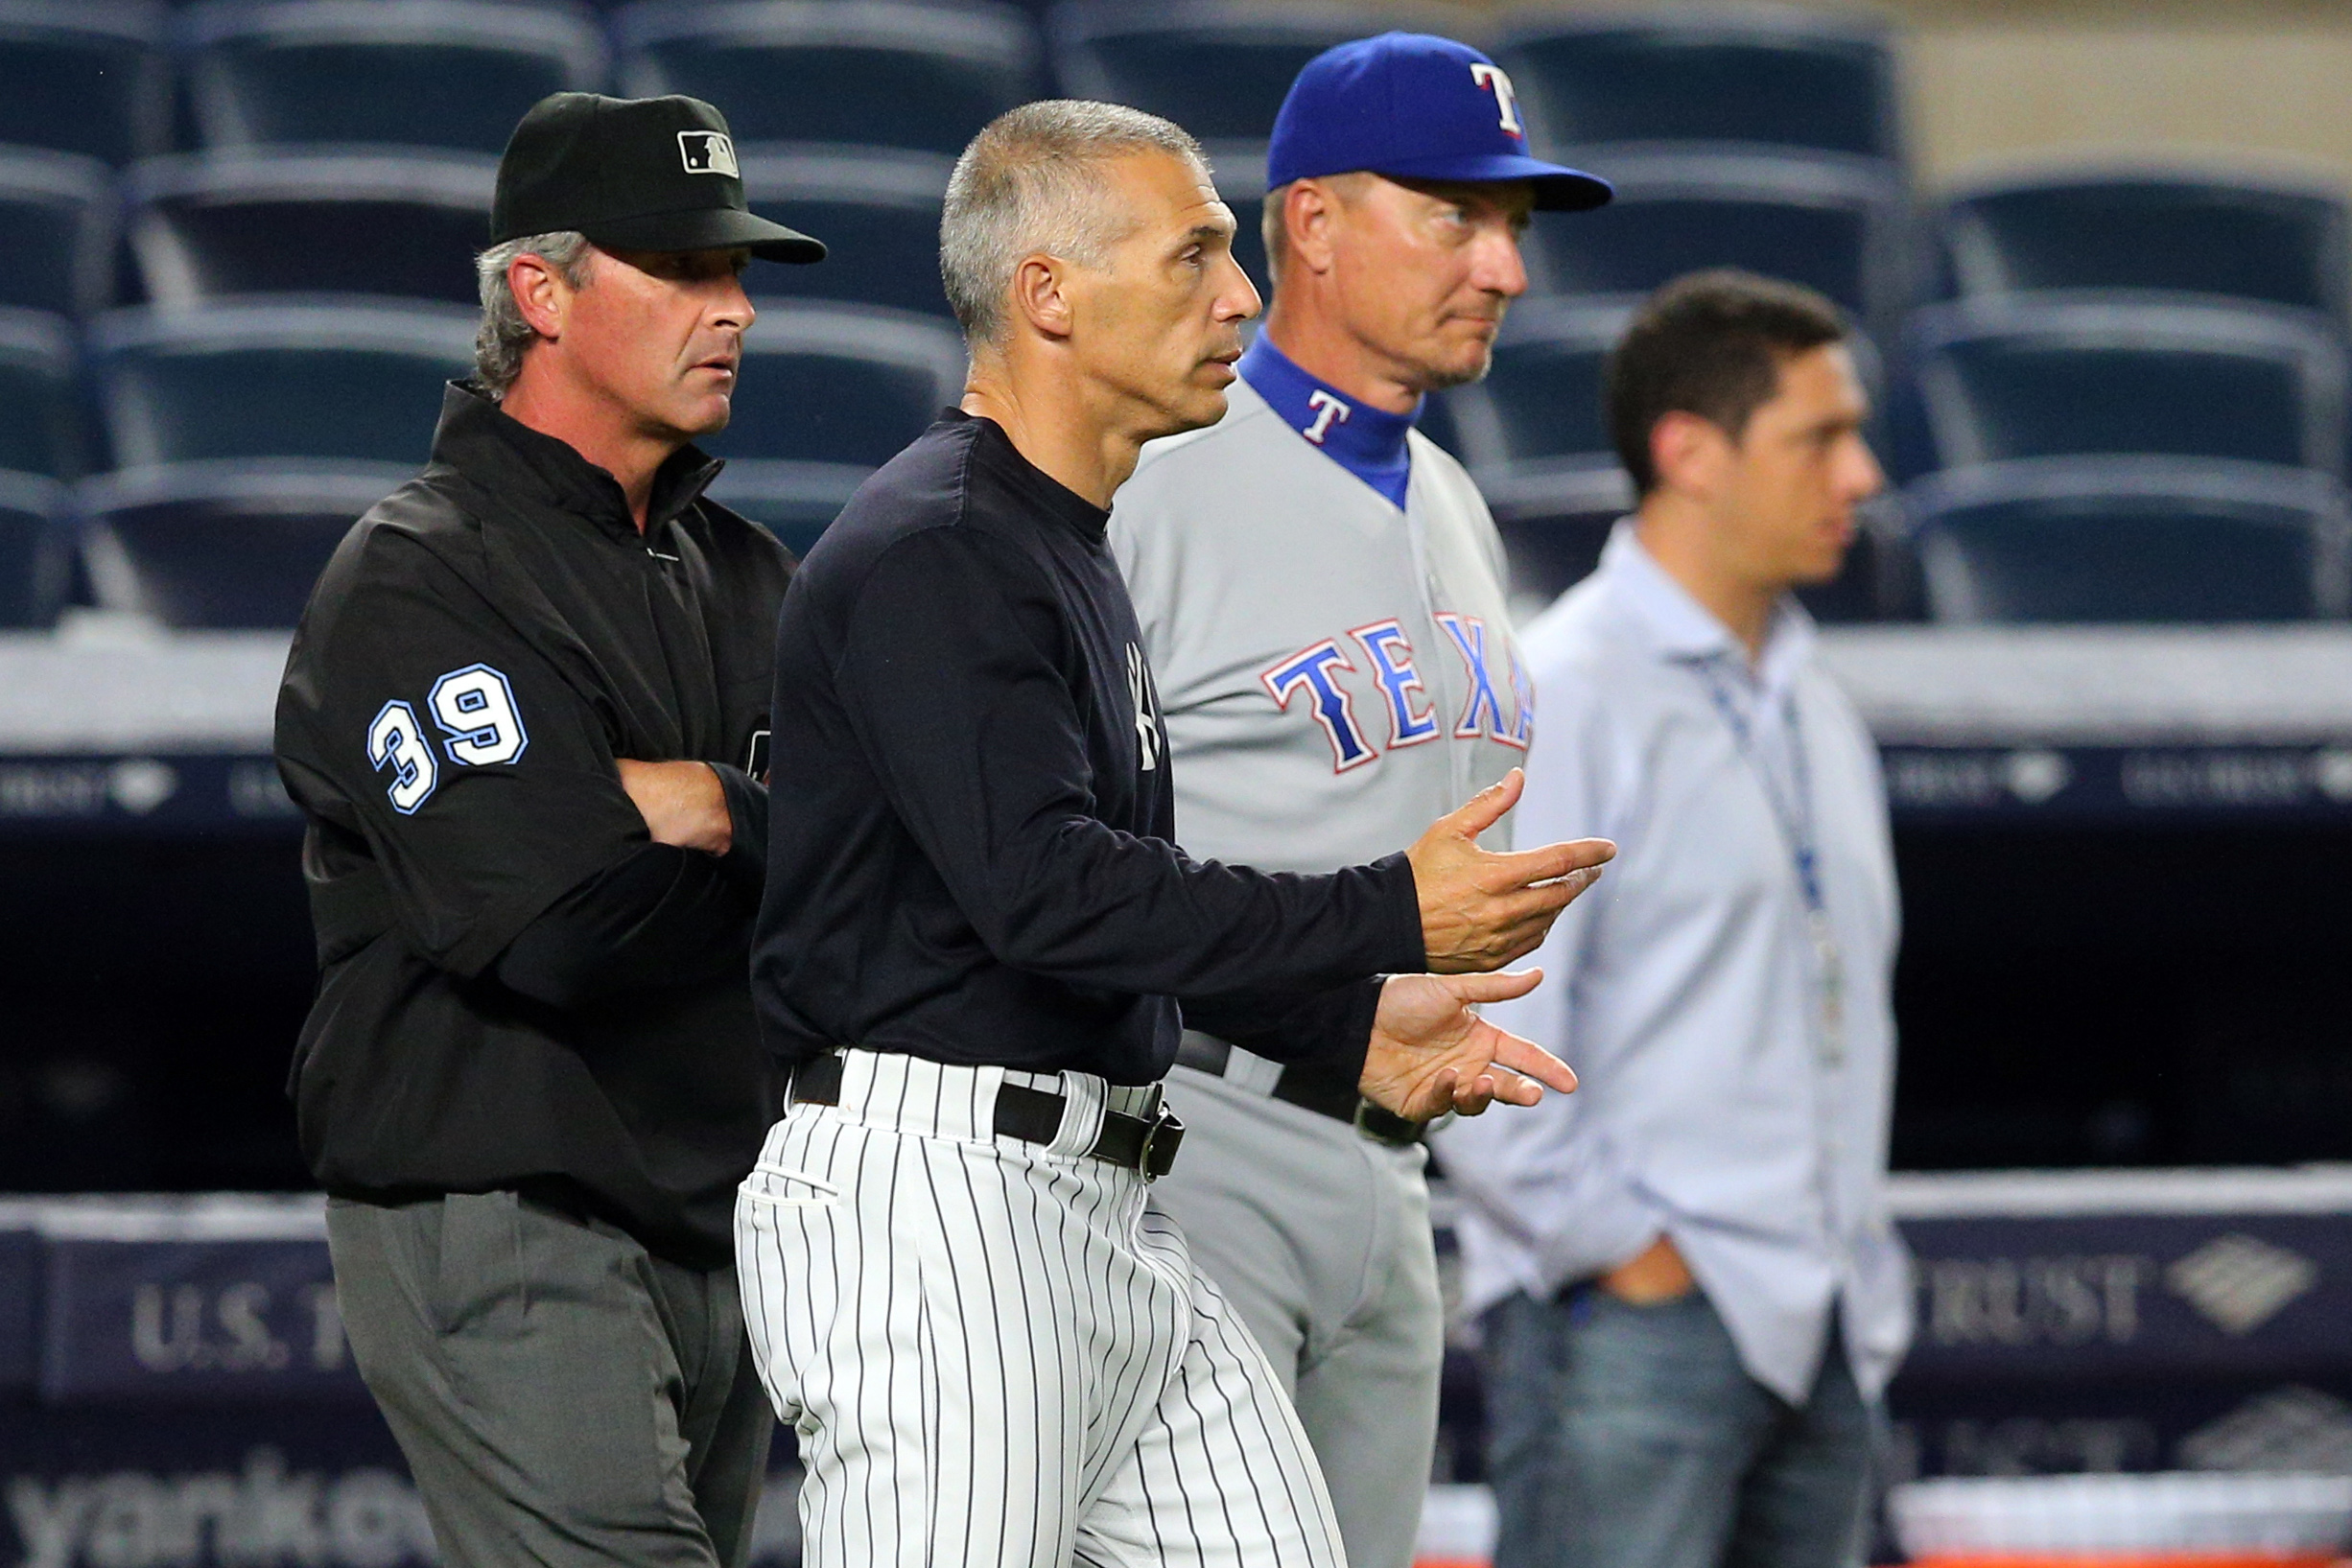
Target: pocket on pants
{"points": [[479, 1284], [775, 1186]]}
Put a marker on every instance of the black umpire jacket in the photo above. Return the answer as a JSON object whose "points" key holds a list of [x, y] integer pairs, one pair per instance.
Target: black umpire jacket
{"points": [[518, 987]]}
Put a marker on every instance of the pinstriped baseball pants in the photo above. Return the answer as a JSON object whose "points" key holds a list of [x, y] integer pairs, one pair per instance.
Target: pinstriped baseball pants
{"points": [[998, 1354]]}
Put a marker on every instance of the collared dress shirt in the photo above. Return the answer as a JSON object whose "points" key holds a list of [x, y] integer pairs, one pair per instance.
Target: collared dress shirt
{"points": [[1736, 1053]]}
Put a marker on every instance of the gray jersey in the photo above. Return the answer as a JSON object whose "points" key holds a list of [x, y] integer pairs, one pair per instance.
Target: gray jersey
{"points": [[1334, 676]]}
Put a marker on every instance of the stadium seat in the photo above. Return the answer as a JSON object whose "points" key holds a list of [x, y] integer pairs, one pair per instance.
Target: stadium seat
{"points": [[917, 75], [878, 212], [832, 384], [1834, 223], [1543, 397], [221, 544], [85, 76], [437, 73], [384, 222], [796, 501], [57, 212], [40, 396], [2178, 232], [1785, 80], [35, 558], [1219, 68], [2020, 377], [1554, 518], [2149, 539], [278, 378]]}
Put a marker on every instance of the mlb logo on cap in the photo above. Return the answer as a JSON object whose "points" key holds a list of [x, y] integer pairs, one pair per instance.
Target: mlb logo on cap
{"points": [[708, 152], [1411, 106]]}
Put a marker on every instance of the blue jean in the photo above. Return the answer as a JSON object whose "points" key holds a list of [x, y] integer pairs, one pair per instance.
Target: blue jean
{"points": [[1631, 1436]]}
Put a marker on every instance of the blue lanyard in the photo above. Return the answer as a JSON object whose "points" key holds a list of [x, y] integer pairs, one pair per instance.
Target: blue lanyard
{"points": [[1796, 818]]}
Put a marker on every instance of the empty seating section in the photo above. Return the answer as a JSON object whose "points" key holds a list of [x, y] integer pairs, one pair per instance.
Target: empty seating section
{"points": [[40, 394], [34, 559], [384, 222], [2177, 232], [917, 75], [445, 73], [878, 212], [1219, 68], [2144, 539], [56, 210], [278, 378], [2027, 378], [223, 335], [1835, 224], [1696, 75], [840, 384], [221, 544], [85, 76]]}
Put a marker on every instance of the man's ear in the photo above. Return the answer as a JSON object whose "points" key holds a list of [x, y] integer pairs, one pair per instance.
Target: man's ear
{"points": [[1041, 296], [1311, 212], [540, 294], [1688, 452]]}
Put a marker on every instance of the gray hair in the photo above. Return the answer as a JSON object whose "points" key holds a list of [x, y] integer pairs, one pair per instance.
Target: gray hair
{"points": [[1031, 183], [502, 336]]}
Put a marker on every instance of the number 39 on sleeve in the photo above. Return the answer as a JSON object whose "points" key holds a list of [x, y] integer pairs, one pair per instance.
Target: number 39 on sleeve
{"points": [[475, 709]]}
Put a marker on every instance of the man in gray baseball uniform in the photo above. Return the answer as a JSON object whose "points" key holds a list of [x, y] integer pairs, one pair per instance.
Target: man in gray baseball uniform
{"points": [[1321, 596]]}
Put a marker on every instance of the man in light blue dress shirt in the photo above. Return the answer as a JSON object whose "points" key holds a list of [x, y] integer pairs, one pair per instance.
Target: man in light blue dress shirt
{"points": [[1690, 1295]]}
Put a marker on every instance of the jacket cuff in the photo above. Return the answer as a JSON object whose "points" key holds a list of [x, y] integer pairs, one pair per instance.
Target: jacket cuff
{"points": [[747, 855], [1405, 954]]}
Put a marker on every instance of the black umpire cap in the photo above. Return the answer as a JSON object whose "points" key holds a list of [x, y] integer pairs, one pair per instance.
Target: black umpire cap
{"points": [[633, 173]]}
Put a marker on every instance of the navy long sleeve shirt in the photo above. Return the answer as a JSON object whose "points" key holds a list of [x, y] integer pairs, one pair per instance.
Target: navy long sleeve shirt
{"points": [[972, 854]]}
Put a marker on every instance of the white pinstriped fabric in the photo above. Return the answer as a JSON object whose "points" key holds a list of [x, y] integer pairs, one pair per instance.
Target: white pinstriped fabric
{"points": [[998, 1354]]}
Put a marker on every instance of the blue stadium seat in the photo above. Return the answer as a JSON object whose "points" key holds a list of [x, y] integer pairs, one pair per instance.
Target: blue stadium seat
{"points": [[2178, 232], [221, 544], [40, 396], [1785, 80], [837, 384], [85, 76], [1543, 398], [437, 73], [1554, 518], [384, 222], [2149, 539], [290, 378], [2021, 377], [796, 501], [57, 212], [878, 212], [1834, 223], [880, 72], [1219, 68], [35, 560]]}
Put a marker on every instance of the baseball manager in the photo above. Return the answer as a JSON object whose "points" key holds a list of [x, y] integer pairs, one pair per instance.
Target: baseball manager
{"points": [[1320, 590], [524, 716]]}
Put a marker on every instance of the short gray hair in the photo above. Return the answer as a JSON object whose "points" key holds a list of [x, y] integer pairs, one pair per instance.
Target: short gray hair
{"points": [[1030, 182], [502, 336]]}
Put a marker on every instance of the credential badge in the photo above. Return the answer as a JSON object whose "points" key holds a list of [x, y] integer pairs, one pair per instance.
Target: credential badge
{"points": [[708, 152]]}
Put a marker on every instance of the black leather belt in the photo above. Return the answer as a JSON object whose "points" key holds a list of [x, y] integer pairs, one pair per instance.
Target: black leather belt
{"points": [[1034, 1115], [1319, 1089]]}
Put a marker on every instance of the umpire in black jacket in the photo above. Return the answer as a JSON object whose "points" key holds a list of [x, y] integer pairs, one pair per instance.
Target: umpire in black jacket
{"points": [[526, 718]]}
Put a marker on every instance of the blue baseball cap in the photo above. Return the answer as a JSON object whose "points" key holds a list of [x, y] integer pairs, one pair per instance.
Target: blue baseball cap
{"points": [[1414, 106]]}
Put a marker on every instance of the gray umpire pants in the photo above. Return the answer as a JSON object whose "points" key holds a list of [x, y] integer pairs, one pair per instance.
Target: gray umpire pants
{"points": [[1319, 1237], [561, 1395]]}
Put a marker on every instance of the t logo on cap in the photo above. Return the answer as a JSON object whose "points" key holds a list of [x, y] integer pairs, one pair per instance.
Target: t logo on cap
{"points": [[708, 152], [1492, 78]]}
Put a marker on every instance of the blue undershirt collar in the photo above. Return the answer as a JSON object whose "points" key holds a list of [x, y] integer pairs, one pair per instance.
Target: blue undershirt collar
{"points": [[1366, 442]]}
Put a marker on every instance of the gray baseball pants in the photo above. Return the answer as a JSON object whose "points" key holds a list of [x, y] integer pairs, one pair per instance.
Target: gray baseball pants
{"points": [[1319, 1237], [562, 1396]]}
